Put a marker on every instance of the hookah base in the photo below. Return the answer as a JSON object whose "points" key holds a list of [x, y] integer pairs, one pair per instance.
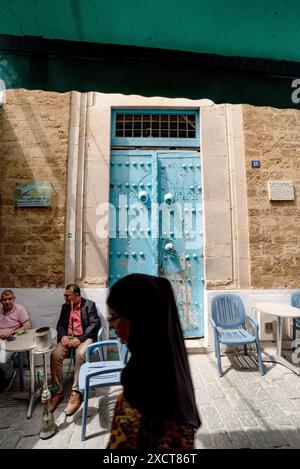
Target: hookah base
{"points": [[44, 435]]}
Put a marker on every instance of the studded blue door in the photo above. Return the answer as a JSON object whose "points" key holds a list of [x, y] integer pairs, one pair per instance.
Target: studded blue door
{"points": [[156, 224]]}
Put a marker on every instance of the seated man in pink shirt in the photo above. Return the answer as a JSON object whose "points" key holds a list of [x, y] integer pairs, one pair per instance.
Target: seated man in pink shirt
{"points": [[13, 318], [77, 327]]}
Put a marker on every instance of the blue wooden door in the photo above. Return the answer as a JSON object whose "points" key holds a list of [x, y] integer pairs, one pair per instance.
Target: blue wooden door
{"points": [[132, 248], [180, 248], [156, 224]]}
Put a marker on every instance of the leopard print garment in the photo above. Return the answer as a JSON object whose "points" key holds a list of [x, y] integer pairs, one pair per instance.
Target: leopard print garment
{"points": [[131, 430]]}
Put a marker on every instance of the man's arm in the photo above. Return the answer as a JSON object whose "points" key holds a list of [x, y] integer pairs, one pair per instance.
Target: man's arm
{"points": [[24, 326], [4, 334], [24, 321], [93, 326], [61, 330], [9, 332]]}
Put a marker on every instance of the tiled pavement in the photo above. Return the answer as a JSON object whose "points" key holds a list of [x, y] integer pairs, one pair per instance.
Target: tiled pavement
{"points": [[240, 410]]}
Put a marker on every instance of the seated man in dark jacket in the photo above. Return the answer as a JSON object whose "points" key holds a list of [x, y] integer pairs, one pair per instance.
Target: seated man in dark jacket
{"points": [[77, 328]]}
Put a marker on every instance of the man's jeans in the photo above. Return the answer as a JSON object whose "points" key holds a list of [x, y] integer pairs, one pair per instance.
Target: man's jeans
{"points": [[57, 357]]}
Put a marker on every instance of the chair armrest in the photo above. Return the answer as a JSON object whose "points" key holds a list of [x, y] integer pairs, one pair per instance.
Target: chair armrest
{"points": [[103, 343], [254, 322], [212, 322]]}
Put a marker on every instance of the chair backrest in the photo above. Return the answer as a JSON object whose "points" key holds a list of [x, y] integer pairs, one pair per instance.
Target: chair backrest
{"points": [[100, 334], [295, 299], [123, 352], [228, 310]]}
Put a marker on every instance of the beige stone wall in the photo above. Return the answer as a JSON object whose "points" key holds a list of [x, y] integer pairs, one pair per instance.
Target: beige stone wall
{"points": [[34, 128], [273, 137], [226, 250]]}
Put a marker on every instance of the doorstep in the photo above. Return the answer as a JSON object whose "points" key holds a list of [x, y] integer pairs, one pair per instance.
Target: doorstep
{"points": [[195, 345]]}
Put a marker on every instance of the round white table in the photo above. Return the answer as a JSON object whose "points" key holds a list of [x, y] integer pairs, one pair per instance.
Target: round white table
{"points": [[281, 311], [26, 343]]}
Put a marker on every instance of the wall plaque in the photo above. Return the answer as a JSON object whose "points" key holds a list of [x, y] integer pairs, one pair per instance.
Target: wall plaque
{"points": [[281, 190], [33, 194]]}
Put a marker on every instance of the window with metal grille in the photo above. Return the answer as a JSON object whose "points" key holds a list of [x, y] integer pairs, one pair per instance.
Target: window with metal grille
{"points": [[151, 127]]}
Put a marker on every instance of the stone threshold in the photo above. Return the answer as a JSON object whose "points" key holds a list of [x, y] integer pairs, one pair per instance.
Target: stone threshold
{"points": [[195, 345]]}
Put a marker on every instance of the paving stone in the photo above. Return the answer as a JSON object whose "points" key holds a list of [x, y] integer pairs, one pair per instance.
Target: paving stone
{"points": [[229, 416], [247, 413], [205, 361], [254, 391], [273, 372], [295, 403], [202, 397], [30, 442], [231, 382], [211, 418], [273, 434], [33, 426], [75, 441], [291, 390], [280, 396], [273, 410], [50, 443], [203, 439], [9, 439], [232, 393], [257, 438], [294, 418], [8, 417], [214, 391], [64, 434], [208, 376], [292, 436], [221, 440], [249, 378], [95, 443], [240, 439], [198, 381]]}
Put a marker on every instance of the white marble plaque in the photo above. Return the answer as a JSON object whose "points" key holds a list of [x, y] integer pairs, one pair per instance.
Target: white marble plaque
{"points": [[281, 190]]}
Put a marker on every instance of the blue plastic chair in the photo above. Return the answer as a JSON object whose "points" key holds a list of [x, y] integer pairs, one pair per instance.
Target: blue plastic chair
{"points": [[229, 325], [100, 374], [295, 301]]}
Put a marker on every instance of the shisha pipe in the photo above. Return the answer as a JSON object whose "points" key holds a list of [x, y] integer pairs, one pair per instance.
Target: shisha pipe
{"points": [[49, 427], [72, 319]]}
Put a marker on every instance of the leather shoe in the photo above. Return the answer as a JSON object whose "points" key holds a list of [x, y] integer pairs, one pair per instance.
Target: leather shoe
{"points": [[55, 400], [74, 403]]}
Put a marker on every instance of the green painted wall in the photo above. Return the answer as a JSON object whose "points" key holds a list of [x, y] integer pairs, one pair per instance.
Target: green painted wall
{"points": [[65, 73], [251, 28]]}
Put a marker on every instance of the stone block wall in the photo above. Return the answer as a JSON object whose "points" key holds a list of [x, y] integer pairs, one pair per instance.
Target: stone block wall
{"points": [[34, 130], [273, 137]]}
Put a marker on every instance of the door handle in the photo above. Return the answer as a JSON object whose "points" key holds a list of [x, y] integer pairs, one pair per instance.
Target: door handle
{"points": [[169, 198], [169, 247], [143, 197]]}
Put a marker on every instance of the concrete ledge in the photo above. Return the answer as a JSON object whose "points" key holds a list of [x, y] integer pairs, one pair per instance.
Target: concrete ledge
{"points": [[195, 346]]}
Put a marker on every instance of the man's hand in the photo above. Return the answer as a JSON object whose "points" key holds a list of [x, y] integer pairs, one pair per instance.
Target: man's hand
{"points": [[74, 342], [5, 334], [65, 341]]}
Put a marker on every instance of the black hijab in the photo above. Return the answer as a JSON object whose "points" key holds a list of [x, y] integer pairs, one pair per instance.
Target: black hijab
{"points": [[157, 379]]}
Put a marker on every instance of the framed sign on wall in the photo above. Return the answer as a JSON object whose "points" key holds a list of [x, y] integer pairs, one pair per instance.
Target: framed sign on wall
{"points": [[33, 194]]}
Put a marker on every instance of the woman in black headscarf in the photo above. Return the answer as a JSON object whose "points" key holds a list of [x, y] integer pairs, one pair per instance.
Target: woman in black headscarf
{"points": [[157, 409]]}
